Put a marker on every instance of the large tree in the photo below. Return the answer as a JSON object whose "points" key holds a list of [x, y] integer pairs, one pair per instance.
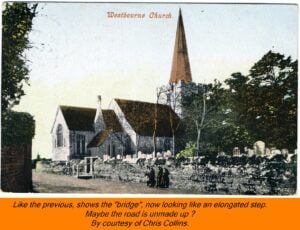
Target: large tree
{"points": [[265, 101], [16, 25]]}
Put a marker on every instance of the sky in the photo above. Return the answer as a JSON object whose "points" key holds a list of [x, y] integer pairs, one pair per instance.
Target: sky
{"points": [[79, 53]]}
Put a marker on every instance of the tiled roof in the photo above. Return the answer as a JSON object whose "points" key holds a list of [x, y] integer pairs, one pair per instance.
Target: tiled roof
{"points": [[82, 119], [100, 138], [79, 118], [141, 117], [111, 120]]}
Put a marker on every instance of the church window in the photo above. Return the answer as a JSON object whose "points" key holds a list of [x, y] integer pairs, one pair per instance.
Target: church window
{"points": [[127, 145], [59, 135], [72, 138], [113, 150], [78, 144], [83, 144], [167, 144]]}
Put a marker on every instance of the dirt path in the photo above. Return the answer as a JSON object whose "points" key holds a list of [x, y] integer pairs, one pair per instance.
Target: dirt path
{"points": [[51, 183]]}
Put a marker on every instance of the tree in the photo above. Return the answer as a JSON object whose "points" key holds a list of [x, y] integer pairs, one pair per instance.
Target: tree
{"points": [[274, 80], [204, 111], [236, 129], [173, 98], [16, 25], [265, 101]]}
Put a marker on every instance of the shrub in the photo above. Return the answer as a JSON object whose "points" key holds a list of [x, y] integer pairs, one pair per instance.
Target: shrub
{"points": [[189, 151]]}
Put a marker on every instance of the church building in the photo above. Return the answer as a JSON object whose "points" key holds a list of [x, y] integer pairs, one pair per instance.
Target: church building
{"points": [[180, 85], [127, 127]]}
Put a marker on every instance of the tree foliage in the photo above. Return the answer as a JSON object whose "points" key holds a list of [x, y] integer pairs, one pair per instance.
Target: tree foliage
{"points": [[189, 150], [17, 129], [265, 101], [259, 106], [205, 112], [16, 25]]}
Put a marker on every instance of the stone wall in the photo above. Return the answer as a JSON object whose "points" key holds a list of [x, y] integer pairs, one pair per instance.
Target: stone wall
{"points": [[16, 169], [269, 177], [208, 179]]}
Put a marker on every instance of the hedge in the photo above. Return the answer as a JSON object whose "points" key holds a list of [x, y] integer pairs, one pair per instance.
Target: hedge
{"points": [[17, 128]]}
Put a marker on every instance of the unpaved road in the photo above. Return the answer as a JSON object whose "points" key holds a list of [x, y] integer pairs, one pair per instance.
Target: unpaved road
{"points": [[51, 183]]}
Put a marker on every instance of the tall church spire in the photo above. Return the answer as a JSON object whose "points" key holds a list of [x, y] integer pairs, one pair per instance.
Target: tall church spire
{"points": [[180, 66]]}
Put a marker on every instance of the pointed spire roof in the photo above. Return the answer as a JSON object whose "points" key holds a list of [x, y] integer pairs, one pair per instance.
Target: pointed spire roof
{"points": [[180, 66]]}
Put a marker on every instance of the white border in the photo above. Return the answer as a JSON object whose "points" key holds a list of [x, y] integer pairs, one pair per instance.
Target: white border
{"points": [[104, 195]]}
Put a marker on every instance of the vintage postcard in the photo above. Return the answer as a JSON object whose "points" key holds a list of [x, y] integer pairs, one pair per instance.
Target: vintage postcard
{"points": [[149, 98]]}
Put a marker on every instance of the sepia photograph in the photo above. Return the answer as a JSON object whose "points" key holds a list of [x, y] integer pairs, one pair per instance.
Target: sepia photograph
{"points": [[149, 98]]}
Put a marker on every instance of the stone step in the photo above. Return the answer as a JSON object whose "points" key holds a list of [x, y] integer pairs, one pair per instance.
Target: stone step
{"points": [[85, 176]]}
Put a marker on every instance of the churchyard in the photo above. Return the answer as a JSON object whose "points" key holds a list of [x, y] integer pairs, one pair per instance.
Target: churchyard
{"points": [[259, 171]]}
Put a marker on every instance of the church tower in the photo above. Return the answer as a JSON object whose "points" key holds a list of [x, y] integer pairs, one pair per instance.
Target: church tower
{"points": [[180, 85]]}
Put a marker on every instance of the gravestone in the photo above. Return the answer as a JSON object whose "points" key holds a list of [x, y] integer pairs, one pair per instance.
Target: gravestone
{"points": [[285, 152], [259, 148], [236, 151], [149, 156], [141, 154], [106, 157], [168, 153], [275, 151], [221, 154], [250, 152], [268, 152]]}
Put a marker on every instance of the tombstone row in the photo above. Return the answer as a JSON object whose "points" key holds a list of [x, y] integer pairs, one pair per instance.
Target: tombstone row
{"points": [[259, 149]]}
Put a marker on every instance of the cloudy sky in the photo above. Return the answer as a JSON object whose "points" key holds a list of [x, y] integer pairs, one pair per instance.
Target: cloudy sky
{"points": [[80, 53]]}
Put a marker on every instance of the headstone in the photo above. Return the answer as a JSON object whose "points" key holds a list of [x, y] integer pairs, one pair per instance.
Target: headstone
{"points": [[250, 152], [268, 152], [236, 151], [140, 154], [159, 154], [259, 148], [285, 152], [106, 157], [221, 154], [168, 153], [275, 151]]}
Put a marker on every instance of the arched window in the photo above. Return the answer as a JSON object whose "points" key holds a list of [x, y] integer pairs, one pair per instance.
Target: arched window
{"points": [[59, 135]]}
